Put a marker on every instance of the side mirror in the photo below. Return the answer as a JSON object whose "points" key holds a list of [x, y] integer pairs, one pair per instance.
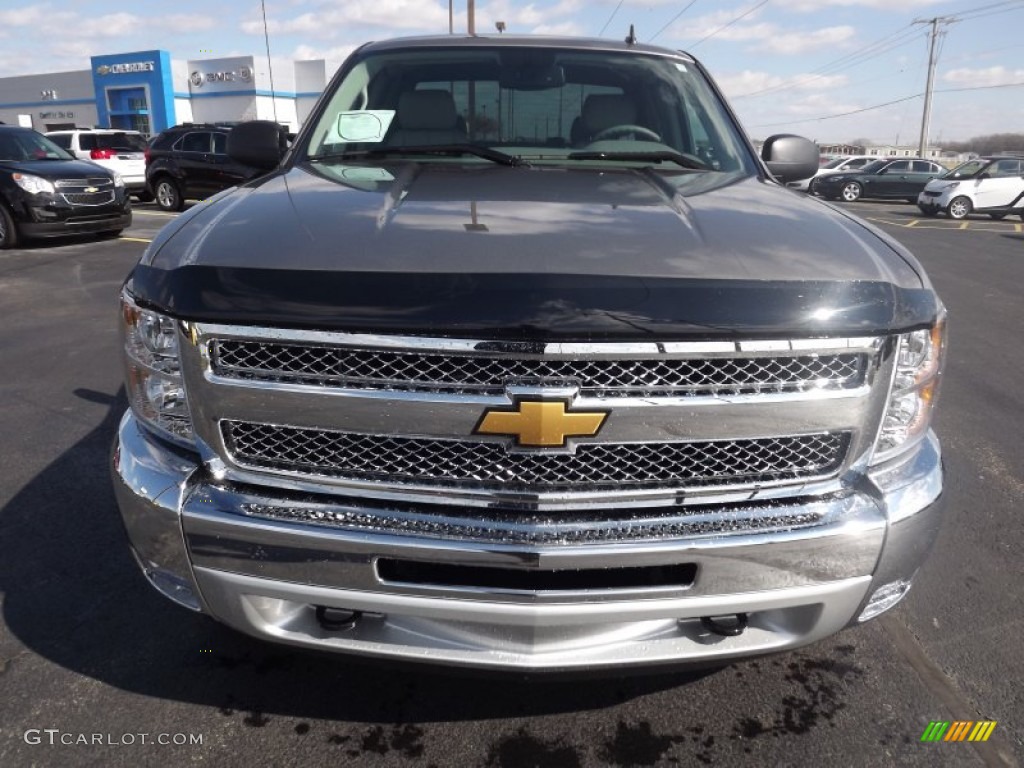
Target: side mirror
{"points": [[790, 158], [259, 143]]}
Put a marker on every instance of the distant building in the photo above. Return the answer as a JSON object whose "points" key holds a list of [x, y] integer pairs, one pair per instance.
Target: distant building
{"points": [[147, 91]]}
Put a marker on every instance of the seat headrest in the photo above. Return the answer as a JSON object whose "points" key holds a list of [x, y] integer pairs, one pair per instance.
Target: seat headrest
{"points": [[426, 110], [602, 111]]}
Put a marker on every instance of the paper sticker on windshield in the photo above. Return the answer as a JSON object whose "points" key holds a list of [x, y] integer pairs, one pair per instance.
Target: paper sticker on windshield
{"points": [[365, 125]]}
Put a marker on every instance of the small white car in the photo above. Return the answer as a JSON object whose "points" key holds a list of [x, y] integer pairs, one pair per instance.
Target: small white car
{"points": [[120, 151], [992, 185], [838, 165]]}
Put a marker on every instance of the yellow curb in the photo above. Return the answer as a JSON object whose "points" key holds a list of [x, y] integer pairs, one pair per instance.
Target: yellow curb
{"points": [[135, 239]]}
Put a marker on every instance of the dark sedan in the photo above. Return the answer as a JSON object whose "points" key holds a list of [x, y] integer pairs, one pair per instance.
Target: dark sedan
{"points": [[902, 178], [46, 192]]}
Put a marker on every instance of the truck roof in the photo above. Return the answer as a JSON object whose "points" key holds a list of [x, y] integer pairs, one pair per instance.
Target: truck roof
{"points": [[519, 41]]}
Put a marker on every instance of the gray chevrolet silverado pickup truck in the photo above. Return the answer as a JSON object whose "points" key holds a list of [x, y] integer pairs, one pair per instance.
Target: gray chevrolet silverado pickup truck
{"points": [[520, 357]]}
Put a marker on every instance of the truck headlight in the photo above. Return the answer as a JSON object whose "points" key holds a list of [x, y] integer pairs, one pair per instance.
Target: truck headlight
{"points": [[915, 389], [32, 184], [156, 390]]}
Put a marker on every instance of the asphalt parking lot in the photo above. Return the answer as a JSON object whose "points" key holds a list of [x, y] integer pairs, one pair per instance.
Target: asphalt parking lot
{"points": [[87, 648]]}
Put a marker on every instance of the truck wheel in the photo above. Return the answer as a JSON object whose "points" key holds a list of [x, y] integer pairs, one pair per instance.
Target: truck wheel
{"points": [[168, 196], [851, 191], [958, 208], [8, 230]]}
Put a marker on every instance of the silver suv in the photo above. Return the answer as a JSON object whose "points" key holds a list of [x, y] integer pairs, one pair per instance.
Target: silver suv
{"points": [[122, 152]]}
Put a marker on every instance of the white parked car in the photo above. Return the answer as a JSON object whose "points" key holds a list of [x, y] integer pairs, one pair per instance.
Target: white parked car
{"points": [[992, 185], [840, 164], [120, 151]]}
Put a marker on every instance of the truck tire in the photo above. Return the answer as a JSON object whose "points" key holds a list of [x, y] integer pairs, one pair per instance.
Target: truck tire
{"points": [[8, 230], [958, 208], [168, 196]]}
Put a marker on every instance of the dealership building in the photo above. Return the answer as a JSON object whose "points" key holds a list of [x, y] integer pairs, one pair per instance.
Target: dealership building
{"points": [[147, 91]]}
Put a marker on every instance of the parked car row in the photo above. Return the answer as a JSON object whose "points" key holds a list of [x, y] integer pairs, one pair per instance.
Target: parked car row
{"points": [[992, 185]]}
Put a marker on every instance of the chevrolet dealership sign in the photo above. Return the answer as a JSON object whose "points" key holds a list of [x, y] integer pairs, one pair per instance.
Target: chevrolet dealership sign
{"points": [[121, 69]]}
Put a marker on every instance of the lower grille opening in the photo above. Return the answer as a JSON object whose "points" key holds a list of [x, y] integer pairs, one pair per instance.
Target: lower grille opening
{"points": [[483, 577]]}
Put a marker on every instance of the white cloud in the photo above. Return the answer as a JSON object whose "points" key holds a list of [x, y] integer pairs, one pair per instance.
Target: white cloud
{"points": [[763, 36], [23, 17], [802, 42], [888, 5], [328, 21], [184, 22], [108, 25], [750, 81], [988, 76], [336, 53]]}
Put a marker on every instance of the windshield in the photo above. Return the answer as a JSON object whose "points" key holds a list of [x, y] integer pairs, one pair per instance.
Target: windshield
{"points": [[967, 170], [543, 105], [19, 146]]}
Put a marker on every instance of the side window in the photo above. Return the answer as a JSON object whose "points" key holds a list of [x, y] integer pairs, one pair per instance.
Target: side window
{"points": [[64, 142], [86, 141], [1006, 168], [220, 143], [922, 166], [902, 166], [859, 163], [195, 142]]}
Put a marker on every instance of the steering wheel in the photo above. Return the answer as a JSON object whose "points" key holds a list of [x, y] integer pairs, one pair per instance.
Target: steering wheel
{"points": [[621, 130]]}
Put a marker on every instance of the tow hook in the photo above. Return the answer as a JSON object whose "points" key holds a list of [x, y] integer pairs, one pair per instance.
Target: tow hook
{"points": [[336, 619], [732, 625]]}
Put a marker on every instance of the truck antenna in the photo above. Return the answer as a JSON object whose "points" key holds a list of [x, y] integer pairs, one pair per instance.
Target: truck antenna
{"points": [[631, 37]]}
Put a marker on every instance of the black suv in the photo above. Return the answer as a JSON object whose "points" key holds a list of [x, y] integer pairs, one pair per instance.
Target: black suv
{"points": [[190, 161], [46, 192]]}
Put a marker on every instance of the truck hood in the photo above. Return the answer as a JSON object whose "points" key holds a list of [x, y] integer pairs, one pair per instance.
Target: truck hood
{"points": [[548, 251]]}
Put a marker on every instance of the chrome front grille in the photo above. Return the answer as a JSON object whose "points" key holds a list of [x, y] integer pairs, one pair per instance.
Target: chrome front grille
{"points": [[396, 418], [489, 465], [343, 366], [94, 181]]}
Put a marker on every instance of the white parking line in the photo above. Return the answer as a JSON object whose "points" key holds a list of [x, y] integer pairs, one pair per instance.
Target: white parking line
{"points": [[137, 212]]}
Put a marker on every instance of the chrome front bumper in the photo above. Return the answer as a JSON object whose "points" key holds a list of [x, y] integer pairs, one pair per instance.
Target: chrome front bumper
{"points": [[198, 545]]}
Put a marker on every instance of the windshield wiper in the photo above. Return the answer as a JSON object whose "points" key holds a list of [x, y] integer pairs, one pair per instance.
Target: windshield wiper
{"points": [[686, 161], [429, 149]]}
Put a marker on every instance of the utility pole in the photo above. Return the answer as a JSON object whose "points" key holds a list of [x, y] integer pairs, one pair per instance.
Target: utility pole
{"points": [[471, 16], [451, 17], [922, 146]]}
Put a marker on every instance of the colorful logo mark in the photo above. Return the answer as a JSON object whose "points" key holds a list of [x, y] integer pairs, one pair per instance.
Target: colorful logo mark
{"points": [[958, 730]]}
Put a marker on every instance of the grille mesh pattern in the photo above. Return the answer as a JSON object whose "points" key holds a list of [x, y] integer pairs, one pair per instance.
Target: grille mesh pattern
{"points": [[327, 366], [489, 465], [89, 198]]}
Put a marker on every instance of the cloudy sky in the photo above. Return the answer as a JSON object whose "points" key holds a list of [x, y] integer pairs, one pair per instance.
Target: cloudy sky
{"points": [[815, 67]]}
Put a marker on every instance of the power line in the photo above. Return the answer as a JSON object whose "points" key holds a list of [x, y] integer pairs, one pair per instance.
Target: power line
{"points": [[888, 104], [672, 20], [729, 24], [610, 18], [903, 36], [883, 45]]}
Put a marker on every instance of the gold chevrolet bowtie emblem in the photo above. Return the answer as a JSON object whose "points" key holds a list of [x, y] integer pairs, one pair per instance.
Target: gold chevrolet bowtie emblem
{"points": [[540, 424], [92, 189]]}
